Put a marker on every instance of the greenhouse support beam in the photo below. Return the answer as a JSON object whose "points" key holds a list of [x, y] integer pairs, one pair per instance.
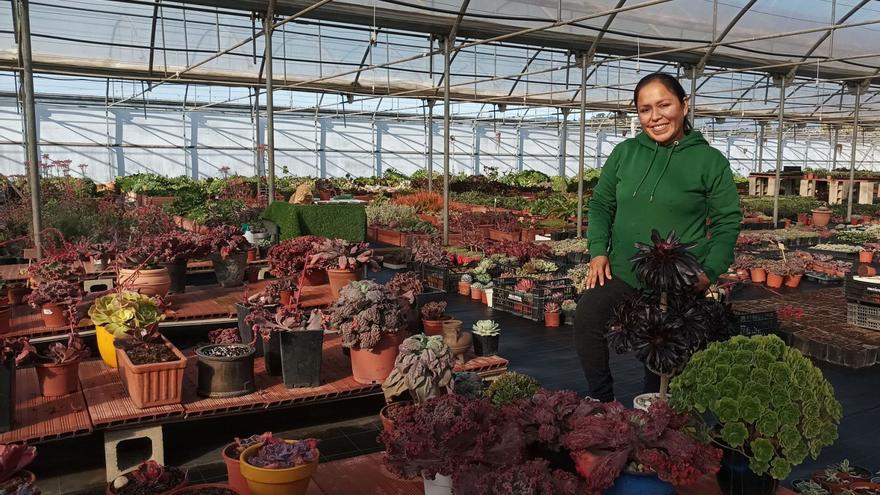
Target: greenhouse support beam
{"points": [[852, 156], [30, 118], [692, 108], [779, 134], [430, 146], [581, 151], [563, 140], [270, 112], [834, 147], [759, 143], [447, 45]]}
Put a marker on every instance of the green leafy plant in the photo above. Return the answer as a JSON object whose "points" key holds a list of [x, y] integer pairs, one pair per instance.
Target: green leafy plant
{"points": [[771, 402], [423, 369], [121, 312], [511, 387], [486, 328]]}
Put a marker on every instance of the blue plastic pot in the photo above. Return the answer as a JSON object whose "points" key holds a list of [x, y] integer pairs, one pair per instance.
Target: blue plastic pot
{"points": [[640, 484]]}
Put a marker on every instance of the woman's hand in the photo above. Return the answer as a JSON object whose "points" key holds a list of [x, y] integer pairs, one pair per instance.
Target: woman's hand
{"points": [[600, 271]]}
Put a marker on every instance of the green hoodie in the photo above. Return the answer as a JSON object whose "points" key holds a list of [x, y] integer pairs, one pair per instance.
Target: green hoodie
{"points": [[645, 186]]}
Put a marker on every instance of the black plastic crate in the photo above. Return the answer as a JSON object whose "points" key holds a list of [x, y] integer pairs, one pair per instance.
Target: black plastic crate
{"points": [[823, 278], [835, 254], [529, 305], [439, 278], [861, 292], [863, 315], [761, 323]]}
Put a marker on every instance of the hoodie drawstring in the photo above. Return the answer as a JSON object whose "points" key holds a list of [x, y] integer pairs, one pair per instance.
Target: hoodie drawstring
{"points": [[648, 170], [665, 166]]}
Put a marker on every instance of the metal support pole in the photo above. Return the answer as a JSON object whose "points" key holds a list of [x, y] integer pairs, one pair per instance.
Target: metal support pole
{"points": [[834, 148], [583, 133], [779, 134], [447, 48], [270, 111], [693, 103], [760, 146], [430, 132], [852, 155], [30, 118], [563, 140]]}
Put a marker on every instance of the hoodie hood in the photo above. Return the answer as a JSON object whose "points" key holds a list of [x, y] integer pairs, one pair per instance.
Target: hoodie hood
{"points": [[692, 138]]}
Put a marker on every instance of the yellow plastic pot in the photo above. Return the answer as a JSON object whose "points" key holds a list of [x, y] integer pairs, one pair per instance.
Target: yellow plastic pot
{"points": [[288, 481], [105, 345]]}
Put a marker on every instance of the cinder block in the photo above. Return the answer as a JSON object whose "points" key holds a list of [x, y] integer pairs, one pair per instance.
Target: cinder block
{"points": [[112, 439]]}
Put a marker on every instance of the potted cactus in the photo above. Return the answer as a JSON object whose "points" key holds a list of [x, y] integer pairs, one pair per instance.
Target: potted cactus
{"points": [[486, 336], [277, 466], [149, 478], [14, 478], [433, 317], [342, 260], [552, 314], [116, 314]]}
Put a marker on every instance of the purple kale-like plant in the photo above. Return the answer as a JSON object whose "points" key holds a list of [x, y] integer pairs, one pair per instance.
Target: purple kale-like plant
{"points": [[276, 453], [13, 458], [533, 477], [339, 254], [365, 312], [227, 240], [288, 258]]}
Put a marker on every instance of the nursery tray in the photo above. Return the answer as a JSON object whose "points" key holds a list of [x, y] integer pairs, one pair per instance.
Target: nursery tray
{"points": [[823, 278], [860, 290], [863, 315], [758, 323], [835, 254]]}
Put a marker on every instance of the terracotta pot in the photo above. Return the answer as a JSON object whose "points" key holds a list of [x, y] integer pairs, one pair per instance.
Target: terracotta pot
{"points": [[233, 471], [866, 256], [551, 319], [54, 315], [325, 195], [195, 489], [17, 295], [483, 297], [57, 380], [341, 278], [287, 481], [150, 282], [476, 293], [759, 275], [459, 342], [252, 254], [153, 384], [774, 281], [821, 218], [433, 327], [464, 288], [5, 317], [793, 281], [370, 366], [314, 278], [866, 271], [387, 418]]}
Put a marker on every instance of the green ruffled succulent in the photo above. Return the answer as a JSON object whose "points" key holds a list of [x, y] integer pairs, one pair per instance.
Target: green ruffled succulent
{"points": [[424, 369], [122, 312], [511, 387], [770, 400]]}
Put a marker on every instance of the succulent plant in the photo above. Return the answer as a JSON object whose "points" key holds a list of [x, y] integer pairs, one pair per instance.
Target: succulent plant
{"points": [[511, 387], [224, 336], [406, 282], [62, 292], [289, 257], [467, 278], [434, 310], [227, 240], [149, 477], [276, 453], [15, 349], [524, 285], [578, 275], [486, 328], [469, 384], [121, 312], [364, 313], [552, 307], [423, 368], [770, 400], [13, 458], [339, 254], [75, 350], [667, 265], [569, 305]]}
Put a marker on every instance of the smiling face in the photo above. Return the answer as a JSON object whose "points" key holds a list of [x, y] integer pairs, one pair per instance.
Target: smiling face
{"points": [[661, 113]]}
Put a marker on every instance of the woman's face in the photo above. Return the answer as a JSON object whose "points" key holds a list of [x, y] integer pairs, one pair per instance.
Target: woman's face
{"points": [[661, 113]]}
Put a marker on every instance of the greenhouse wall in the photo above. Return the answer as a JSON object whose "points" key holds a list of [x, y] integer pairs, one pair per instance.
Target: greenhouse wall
{"points": [[127, 140]]}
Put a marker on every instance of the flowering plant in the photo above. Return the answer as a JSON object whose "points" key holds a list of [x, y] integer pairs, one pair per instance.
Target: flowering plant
{"points": [[365, 312]]}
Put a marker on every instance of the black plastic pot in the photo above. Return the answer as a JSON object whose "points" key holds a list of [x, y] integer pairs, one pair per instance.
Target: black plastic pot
{"points": [[272, 354], [246, 332], [225, 376], [301, 354], [736, 477], [230, 271], [486, 346], [177, 272], [578, 258], [558, 236], [7, 395]]}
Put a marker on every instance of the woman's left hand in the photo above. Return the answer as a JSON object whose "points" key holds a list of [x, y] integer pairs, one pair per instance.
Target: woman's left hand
{"points": [[702, 284]]}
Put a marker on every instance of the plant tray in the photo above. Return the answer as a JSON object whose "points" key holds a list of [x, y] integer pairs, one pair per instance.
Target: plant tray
{"points": [[823, 278], [154, 384], [528, 305], [835, 254], [861, 291], [760, 323], [863, 315], [439, 278]]}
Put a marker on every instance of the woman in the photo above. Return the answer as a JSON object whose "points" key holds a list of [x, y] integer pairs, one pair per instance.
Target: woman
{"points": [[666, 178]]}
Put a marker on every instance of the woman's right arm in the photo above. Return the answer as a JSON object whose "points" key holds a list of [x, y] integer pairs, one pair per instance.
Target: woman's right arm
{"points": [[602, 207]]}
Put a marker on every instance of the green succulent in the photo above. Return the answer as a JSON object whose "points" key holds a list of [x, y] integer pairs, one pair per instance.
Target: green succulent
{"points": [[486, 328], [510, 387], [769, 399], [122, 312]]}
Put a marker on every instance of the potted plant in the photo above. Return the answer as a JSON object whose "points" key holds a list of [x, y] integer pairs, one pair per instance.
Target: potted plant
{"points": [[423, 369], [757, 271], [13, 352], [16, 292], [821, 216], [228, 249], [207, 489], [795, 269], [118, 313], [231, 454], [523, 288], [776, 273], [149, 478], [649, 452], [369, 317], [464, 284], [569, 307], [409, 290], [773, 408], [300, 339], [667, 320], [60, 374], [486, 336], [433, 317], [225, 366], [552, 314], [511, 387], [173, 250], [150, 367], [488, 292], [139, 269], [14, 478], [288, 258], [840, 476], [810, 487], [342, 260], [476, 291], [280, 467], [55, 297], [866, 256]]}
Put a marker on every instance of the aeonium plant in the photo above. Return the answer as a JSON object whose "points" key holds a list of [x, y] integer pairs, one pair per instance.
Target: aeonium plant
{"points": [[423, 369], [121, 312]]}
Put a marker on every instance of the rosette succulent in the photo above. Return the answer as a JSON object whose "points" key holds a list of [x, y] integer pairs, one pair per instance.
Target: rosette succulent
{"points": [[423, 368], [121, 312], [511, 387], [364, 313], [486, 328], [667, 265], [770, 400]]}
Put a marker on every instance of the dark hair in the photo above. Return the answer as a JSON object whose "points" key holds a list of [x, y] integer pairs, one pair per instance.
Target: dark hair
{"points": [[671, 84]]}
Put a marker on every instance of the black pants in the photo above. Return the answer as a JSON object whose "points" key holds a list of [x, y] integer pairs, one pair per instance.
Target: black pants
{"points": [[593, 312]]}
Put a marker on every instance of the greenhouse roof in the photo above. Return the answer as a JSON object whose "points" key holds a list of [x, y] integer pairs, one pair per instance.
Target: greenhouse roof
{"points": [[521, 52]]}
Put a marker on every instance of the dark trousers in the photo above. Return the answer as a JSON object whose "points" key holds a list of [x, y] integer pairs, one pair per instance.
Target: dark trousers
{"points": [[593, 312]]}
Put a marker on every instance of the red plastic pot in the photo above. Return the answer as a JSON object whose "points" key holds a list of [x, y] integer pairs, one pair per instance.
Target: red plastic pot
{"points": [[57, 380], [759, 275], [551, 319], [370, 366], [476, 293], [341, 278], [433, 327], [774, 281], [866, 256], [793, 281], [54, 315]]}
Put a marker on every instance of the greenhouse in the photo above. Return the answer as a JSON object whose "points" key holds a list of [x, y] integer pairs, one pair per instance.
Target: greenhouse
{"points": [[551, 247]]}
